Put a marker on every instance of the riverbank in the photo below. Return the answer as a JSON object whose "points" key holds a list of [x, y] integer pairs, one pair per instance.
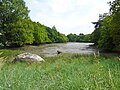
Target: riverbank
{"points": [[61, 72], [46, 50]]}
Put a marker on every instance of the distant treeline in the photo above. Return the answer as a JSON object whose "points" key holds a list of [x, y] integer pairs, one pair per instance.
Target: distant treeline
{"points": [[79, 38], [107, 29]]}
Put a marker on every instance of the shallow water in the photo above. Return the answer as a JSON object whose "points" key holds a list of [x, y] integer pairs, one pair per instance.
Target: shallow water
{"points": [[47, 50], [80, 48]]}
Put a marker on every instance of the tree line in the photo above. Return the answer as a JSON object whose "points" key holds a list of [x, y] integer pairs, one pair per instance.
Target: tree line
{"points": [[17, 29], [107, 29], [79, 38]]}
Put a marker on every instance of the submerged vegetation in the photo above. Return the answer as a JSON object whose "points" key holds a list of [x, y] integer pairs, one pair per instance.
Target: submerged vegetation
{"points": [[62, 72]]}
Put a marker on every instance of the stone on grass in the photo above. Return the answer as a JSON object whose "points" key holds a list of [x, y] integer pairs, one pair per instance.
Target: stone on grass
{"points": [[28, 57]]}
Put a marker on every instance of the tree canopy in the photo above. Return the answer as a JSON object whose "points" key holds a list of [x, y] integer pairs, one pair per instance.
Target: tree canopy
{"points": [[107, 30], [56, 36], [16, 28], [13, 16], [79, 38]]}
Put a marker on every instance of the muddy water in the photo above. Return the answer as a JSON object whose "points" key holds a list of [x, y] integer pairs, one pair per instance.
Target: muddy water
{"points": [[46, 50], [80, 48], [51, 49]]}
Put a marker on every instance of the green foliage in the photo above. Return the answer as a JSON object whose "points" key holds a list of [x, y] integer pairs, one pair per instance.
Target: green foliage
{"points": [[55, 36], [16, 29], [79, 38], [72, 37], [64, 72], [11, 11], [18, 33], [106, 40], [107, 34], [12, 19], [9, 53], [102, 33], [51, 34], [96, 36], [115, 32], [40, 34], [87, 38], [61, 38], [114, 6]]}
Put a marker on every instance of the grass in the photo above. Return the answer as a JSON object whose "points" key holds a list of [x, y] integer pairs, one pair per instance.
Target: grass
{"points": [[62, 72], [8, 54]]}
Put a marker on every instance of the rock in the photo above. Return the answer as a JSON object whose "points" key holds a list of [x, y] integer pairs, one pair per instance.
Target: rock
{"points": [[28, 57]]}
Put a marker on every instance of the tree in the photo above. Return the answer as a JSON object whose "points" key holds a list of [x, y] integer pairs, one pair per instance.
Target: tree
{"points": [[106, 41], [107, 29], [115, 32], [114, 6], [87, 38], [40, 34], [18, 34], [62, 38], [115, 13], [55, 36], [80, 37], [52, 34], [96, 34], [12, 10], [12, 15], [72, 37]]}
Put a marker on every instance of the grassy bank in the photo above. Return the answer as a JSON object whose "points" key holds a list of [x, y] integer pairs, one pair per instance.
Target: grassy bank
{"points": [[63, 72]]}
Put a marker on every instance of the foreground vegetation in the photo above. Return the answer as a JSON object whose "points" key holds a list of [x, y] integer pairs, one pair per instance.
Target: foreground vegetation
{"points": [[62, 72]]}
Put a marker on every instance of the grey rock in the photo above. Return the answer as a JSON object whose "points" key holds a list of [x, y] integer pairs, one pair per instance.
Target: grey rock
{"points": [[28, 57]]}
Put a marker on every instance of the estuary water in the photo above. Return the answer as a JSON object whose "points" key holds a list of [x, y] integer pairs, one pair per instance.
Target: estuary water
{"points": [[70, 47], [46, 50]]}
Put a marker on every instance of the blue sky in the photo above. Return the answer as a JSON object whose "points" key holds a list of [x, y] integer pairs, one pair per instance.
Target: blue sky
{"points": [[69, 16]]}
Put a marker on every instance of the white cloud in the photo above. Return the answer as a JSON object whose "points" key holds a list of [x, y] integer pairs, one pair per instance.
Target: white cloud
{"points": [[69, 16], [60, 6]]}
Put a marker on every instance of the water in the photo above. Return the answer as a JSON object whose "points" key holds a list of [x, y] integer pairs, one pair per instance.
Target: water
{"points": [[79, 48], [46, 50]]}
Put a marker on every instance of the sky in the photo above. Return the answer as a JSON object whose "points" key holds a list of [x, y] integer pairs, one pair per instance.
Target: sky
{"points": [[68, 16]]}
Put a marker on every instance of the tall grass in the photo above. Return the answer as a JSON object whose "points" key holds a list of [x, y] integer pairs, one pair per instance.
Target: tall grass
{"points": [[8, 55], [63, 72]]}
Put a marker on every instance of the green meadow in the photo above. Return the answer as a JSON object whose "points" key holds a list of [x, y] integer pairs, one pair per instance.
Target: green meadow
{"points": [[62, 72]]}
